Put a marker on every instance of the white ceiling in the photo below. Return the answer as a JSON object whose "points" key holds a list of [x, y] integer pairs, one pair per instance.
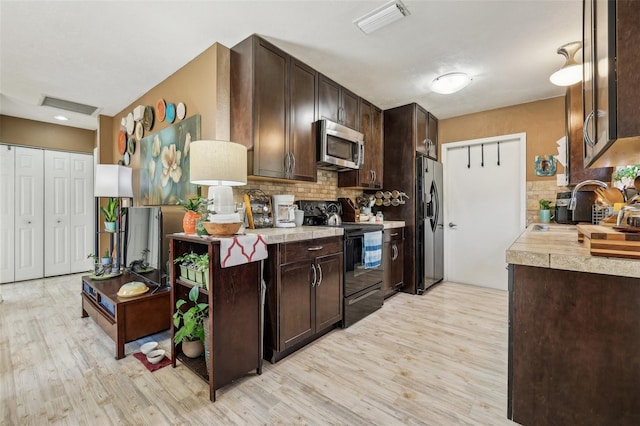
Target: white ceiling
{"points": [[109, 53]]}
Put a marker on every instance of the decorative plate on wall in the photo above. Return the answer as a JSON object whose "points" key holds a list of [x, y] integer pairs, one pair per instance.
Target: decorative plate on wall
{"points": [[123, 122], [122, 142], [127, 158], [131, 146], [171, 113], [147, 118], [130, 123], [161, 108], [181, 111], [139, 133]]}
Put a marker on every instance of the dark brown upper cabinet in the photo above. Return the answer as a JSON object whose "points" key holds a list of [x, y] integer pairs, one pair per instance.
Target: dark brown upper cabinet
{"points": [[370, 174], [575, 141], [337, 103], [273, 106], [611, 82], [427, 133]]}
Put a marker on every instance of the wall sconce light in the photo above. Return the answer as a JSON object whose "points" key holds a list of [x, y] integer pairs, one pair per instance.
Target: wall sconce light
{"points": [[450, 83], [571, 71], [219, 165], [382, 16]]}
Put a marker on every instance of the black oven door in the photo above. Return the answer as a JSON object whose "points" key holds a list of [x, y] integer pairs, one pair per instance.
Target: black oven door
{"points": [[356, 276]]}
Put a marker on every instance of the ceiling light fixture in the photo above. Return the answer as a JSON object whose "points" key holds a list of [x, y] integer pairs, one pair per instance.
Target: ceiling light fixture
{"points": [[382, 16], [450, 83], [571, 71], [60, 117]]}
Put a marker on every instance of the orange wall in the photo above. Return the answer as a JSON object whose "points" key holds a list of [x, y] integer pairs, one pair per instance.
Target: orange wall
{"points": [[23, 132], [202, 85], [543, 122]]}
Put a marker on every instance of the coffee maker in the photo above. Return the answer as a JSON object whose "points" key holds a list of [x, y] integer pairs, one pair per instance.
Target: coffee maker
{"points": [[563, 214], [283, 211]]}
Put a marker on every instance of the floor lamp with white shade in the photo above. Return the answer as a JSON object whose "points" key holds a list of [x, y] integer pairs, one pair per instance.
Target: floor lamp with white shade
{"points": [[113, 181]]}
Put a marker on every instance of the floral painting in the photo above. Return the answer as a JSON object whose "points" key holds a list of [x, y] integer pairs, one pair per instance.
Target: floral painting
{"points": [[164, 163]]}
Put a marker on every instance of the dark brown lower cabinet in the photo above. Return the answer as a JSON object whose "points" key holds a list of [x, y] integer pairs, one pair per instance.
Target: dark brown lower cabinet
{"points": [[303, 295], [574, 348], [392, 260]]}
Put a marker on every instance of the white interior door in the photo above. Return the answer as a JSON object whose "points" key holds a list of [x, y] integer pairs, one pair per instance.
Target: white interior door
{"points": [[7, 214], [485, 207], [56, 220], [29, 213], [81, 211]]}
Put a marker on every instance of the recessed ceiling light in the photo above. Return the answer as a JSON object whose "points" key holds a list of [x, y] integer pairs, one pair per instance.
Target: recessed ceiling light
{"points": [[450, 83], [382, 16], [60, 117]]}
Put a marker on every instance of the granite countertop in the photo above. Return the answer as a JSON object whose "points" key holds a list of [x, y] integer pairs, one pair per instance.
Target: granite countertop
{"points": [[558, 248], [283, 235]]}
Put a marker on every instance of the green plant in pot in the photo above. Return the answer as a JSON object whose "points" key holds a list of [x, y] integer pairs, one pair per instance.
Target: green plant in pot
{"points": [[187, 265], [545, 211], [194, 208], [110, 212], [189, 324], [201, 264]]}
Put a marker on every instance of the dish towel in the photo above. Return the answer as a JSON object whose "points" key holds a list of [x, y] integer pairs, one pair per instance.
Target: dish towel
{"points": [[242, 249], [372, 253]]}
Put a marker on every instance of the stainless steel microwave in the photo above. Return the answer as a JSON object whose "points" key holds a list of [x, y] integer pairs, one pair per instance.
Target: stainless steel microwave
{"points": [[339, 147]]}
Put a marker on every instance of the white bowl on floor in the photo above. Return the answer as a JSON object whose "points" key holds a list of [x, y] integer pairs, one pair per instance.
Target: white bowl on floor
{"points": [[148, 347], [155, 356]]}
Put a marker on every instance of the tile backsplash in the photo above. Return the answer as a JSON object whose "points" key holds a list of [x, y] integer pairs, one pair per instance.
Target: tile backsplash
{"points": [[536, 190]]}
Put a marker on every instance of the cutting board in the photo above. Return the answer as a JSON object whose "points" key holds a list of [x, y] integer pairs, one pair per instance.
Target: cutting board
{"points": [[606, 241]]}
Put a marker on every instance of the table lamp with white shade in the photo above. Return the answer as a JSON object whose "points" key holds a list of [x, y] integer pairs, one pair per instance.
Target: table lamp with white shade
{"points": [[114, 181], [219, 165]]}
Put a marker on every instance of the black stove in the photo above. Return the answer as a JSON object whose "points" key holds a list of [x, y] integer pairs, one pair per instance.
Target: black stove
{"points": [[316, 213], [362, 282]]}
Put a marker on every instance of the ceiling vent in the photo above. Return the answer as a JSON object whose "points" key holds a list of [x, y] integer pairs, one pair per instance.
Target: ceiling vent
{"points": [[69, 105], [382, 16]]}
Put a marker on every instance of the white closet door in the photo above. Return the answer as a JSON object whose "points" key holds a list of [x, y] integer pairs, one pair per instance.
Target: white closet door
{"points": [[57, 203], [81, 211], [29, 214], [7, 214]]}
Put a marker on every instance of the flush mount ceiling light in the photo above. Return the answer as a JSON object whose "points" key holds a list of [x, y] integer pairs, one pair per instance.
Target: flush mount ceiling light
{"points": [[382, 16], [60, 118], [571, 71], [450, 83]]}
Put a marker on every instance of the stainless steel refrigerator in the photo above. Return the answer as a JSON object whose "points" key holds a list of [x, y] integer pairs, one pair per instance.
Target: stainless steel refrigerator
{"points": [[429, 224]]}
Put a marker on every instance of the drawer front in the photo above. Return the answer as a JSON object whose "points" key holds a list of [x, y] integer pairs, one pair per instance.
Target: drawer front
{"points": [[393, 234], [309, 249]]}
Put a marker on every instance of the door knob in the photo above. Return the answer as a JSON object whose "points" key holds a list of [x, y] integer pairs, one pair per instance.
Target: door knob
{"points": [[452, 225]]}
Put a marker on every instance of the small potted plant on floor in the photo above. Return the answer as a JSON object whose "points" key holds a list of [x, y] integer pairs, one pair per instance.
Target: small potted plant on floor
{"points": [[194, 208], [545, 211], [110, 212], [190, 324]]}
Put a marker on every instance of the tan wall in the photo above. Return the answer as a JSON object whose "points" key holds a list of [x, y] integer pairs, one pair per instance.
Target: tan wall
{"points": [[543, 122], [23, 132]]}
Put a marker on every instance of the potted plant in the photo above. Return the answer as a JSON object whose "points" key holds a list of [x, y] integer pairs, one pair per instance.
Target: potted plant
{"points": [[545, 211], [190, 324], [194, 208], [110, 212], [185, 261], [201, 265]]}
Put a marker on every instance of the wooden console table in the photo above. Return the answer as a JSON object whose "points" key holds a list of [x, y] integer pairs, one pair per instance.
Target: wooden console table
{"points": [[125, 319]]}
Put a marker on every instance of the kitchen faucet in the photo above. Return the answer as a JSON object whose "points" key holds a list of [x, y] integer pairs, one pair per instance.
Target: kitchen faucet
{"points": [[572, 204]]}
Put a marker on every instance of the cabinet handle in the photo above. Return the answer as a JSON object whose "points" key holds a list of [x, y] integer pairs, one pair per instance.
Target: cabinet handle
{"points": [[585, 130], [395, 234], [316, 248], [286, 164], [315, 276], [293, 162], [394, 256], [320, 273]]}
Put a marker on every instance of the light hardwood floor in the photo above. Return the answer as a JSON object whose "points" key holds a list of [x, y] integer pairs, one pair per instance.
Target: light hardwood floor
{"points": [[435, 359]]}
